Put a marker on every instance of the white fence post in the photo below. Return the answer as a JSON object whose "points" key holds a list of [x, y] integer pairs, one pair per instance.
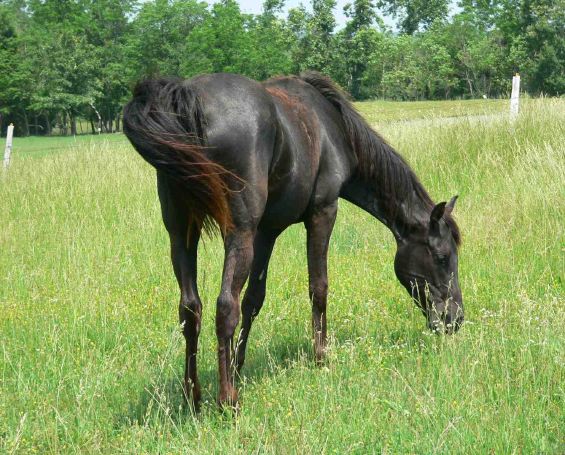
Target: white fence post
{"points": [[515, 97], [8, 149]]}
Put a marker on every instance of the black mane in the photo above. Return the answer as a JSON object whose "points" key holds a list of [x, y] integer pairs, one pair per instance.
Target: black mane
{"points": [[379, 164]]}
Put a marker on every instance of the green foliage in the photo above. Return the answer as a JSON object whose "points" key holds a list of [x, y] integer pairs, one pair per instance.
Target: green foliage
{"points": [[157, 42], [414, 14], [316, 47], [63, 62], [221, 44]]}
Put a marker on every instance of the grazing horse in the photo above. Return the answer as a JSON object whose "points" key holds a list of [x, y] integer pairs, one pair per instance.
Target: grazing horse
{"points": [[253, 158]]}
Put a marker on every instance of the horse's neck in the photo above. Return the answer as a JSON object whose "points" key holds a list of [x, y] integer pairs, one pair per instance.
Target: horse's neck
{"points": [[408, 216]]}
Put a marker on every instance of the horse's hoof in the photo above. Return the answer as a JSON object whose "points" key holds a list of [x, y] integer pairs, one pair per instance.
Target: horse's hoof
{"points": [[192, 395], [320, 355], [228, 400]]}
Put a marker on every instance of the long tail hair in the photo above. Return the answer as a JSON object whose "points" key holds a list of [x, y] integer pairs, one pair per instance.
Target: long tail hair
{"points": [[165, 123], [379, 163]]}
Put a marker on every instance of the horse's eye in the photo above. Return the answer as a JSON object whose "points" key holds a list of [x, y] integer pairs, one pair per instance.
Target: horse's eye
{"points": [[442, 260]]}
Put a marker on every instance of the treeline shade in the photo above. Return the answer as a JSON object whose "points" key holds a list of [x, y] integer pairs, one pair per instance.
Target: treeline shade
{"points": [[64, 60]]}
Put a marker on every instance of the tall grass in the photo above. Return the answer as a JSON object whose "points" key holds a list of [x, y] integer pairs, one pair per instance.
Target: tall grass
{"points": [[91, 355]]}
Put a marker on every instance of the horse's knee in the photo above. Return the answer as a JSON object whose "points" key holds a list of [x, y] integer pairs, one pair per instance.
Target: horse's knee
{"points": [[190, 314], [227, 316], [319, 293]]}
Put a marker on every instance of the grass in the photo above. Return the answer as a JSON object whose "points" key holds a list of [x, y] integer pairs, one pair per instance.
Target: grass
{"points": [[91, 355], [39, 147], [391, 111]]}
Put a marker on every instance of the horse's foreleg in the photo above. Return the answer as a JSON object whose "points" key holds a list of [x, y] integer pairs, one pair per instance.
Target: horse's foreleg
{"points": [[238, 246], [319, 228], [256, 288]]}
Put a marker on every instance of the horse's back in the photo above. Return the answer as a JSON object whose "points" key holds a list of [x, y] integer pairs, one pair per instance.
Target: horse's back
{"points": [[240, 135], [324, 148], [240, 120], [281, 137]]}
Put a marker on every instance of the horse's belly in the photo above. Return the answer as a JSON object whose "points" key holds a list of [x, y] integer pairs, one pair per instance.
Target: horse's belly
{"points": [[287, 201]]}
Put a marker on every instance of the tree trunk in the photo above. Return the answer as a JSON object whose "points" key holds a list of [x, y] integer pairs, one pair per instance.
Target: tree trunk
{"points": [[73, 124], [64, 123], [110, 120], [26, 124], [118, 122], [470, 83], [92, 126], [47, 125], [99, 118]]}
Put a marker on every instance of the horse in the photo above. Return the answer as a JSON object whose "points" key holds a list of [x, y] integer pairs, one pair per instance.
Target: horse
{"points": [[249, 159]]}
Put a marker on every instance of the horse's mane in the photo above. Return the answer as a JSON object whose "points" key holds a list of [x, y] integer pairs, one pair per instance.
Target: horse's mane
{"points": [[391, 176]]}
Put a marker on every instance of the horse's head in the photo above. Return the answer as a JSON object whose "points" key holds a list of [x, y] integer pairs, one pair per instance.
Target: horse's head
{"points": [[426, 265]]}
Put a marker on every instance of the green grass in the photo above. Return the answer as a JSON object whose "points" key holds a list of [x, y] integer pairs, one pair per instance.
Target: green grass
{"points": [[39, 147], [387, 111], [91, 355]]}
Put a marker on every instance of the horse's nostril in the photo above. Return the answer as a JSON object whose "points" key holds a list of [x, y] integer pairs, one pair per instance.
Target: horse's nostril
{"points": [[453, 326]]}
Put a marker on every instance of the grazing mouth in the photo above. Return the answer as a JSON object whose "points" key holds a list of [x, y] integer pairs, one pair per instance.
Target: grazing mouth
{"points": [[447, 328]]}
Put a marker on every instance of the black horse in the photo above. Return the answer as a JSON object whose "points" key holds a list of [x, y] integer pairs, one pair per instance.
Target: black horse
{"points": [[253, 158]]}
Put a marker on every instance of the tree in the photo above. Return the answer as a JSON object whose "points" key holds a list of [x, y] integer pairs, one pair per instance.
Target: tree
{"points": [[108, 31], [272, 43], [15, 75], [220, 43], [414, 14], [357, 41], [316, 48], [156, 44], [539, 25]]}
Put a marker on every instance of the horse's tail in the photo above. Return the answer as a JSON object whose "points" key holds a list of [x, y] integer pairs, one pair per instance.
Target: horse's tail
{"points": [[165, 123]]}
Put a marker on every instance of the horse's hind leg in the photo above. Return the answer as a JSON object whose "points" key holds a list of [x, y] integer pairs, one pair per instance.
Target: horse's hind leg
{"points": [[319, 227], [184, 244], [238, 245], [255, 292]]}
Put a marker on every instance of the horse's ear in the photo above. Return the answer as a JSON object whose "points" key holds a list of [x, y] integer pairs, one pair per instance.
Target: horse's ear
{"points": [[451, 204], [435, 218], [437, 212]]}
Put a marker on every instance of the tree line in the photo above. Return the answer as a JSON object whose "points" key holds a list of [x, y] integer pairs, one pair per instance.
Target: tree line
{"points": [[65, 60]]}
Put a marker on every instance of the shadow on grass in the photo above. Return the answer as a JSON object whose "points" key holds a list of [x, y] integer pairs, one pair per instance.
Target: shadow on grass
{"points": [[163, 399]]}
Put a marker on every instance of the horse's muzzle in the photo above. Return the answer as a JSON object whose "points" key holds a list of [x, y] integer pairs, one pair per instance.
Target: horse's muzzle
{"points": [[446, 323]]}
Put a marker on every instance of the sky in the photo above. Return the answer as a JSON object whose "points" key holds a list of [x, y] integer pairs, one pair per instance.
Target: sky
{"points": [[256, 6]]}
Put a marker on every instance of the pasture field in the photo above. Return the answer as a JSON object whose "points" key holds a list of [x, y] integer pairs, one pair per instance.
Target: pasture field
{"points": [[91, 356], [380, 111]]}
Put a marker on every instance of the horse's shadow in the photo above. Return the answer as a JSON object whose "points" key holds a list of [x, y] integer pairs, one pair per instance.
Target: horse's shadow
{"points": [[165, 395]]}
